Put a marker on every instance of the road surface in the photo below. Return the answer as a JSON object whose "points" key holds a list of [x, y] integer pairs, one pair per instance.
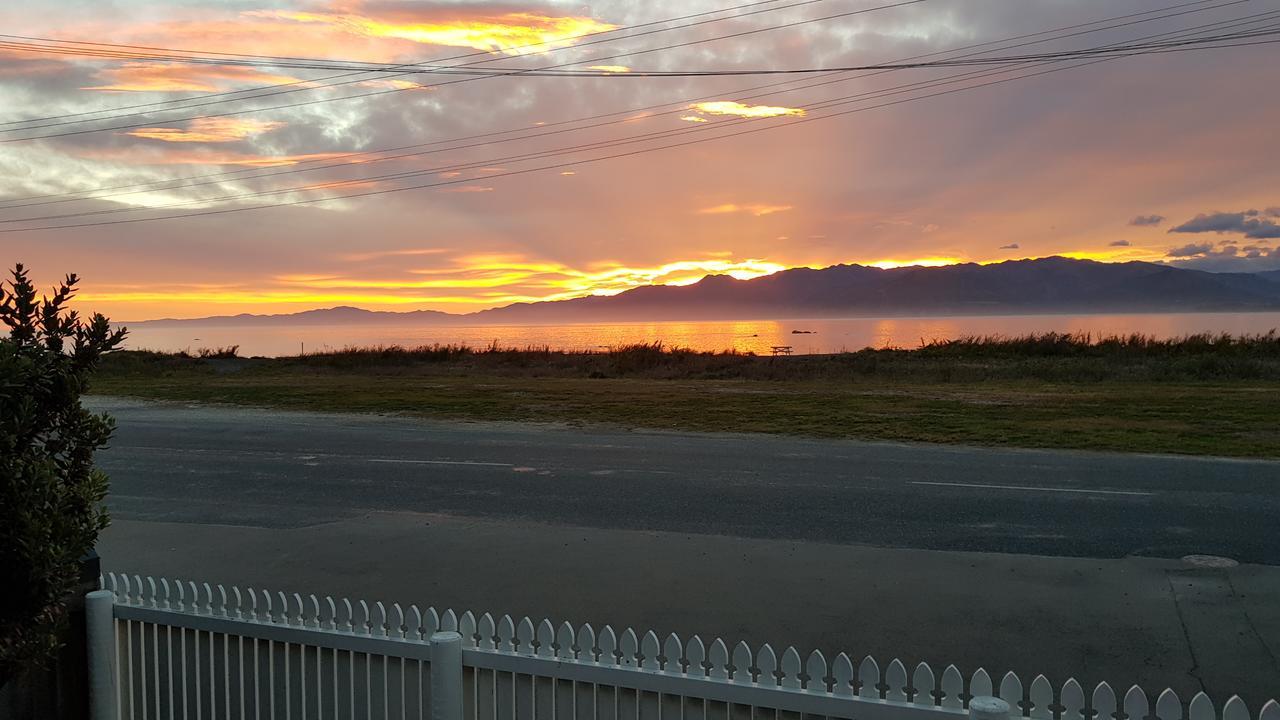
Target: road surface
{"points": [[1040, 561]]}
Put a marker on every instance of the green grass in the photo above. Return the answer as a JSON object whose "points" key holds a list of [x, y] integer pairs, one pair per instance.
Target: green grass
{"points": [[1203, 395]]}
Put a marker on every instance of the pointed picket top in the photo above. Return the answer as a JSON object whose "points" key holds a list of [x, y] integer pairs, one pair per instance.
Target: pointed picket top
{"points": [[108, 582], [1104, 702], [952, 688], [564, 642], [869, 678], [1235, 709], [628, 647], [164, 594], [206, 606], [1201, 708], [649, 649], [222, 603], [718, 659], [842, 676], [413, 623], [506, 634], [152, 594], [607, 643], [1136, 706], [742, 661], [695, 654], [139, 591], [313, 611], [193, 595], [379, 619], [1011, 692], [430, 623], [895, 677], [1041, 702], [330, 619], [253, 602], [586, 640], [486, 630], [766, 666], [923, 684], [282, 609], [361, 618], [1270, 711], [400, 624], [980, 685], [295, 615], [449, 621], [1072, 701], [235, 592], [672, 653], [816, 670], [524, 635], [791, 670], [348, 622], [1168, 706], [467, 629]]}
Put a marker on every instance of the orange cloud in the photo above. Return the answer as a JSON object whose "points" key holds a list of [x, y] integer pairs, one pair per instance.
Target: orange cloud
{"points": [[468, 189], [148, 77], [729, 107], [171, 156], [209, 130], [508, 33], [756, 210]]}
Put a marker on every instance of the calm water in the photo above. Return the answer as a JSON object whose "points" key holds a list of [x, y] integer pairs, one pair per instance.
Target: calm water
{"points": [[826, 336]]}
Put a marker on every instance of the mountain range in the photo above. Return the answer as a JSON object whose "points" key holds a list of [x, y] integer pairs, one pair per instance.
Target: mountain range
{"points": [[1043, 285]]}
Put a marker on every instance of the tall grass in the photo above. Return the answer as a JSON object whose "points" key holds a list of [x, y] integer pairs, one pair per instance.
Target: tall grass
{"points": [[1059, 357]]}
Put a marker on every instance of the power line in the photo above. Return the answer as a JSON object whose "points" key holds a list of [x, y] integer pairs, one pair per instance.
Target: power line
{"points": [[545, 130], [823, 105], [408, 65], [597, 60], [636, 74]]}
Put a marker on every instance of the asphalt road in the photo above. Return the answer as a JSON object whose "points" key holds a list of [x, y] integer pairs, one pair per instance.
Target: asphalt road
{"points": [[277, 469], [1062, 563]]}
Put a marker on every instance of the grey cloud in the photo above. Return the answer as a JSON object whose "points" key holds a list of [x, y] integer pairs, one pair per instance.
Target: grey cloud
{"points": [[1147, 220], [1011, 246], [1119, 243], [1191, 250], [1247, 222]]}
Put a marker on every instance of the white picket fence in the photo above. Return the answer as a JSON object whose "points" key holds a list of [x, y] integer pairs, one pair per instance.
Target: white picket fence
{"points": [[181, 650]]}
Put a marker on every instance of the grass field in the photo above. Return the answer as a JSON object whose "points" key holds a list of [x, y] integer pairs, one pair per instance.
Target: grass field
{"points": [[1202, 395]]}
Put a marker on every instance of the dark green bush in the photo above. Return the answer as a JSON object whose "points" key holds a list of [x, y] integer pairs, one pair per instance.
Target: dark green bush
{"points": [[50, 492]]}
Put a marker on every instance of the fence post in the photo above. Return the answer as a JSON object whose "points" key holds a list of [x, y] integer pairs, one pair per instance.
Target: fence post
{"points": [[984, 707], [446, 676], [99, 607]]}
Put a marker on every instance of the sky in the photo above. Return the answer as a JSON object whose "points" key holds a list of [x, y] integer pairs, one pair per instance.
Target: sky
{"points": [[462, 192]]}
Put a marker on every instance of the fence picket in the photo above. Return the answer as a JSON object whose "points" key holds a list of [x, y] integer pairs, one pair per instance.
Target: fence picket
{"points": [[296, 671], [923, 685], [1201, 708], [1011, 692], [869, 678], [1235, 709], [1136, 706], [895, 680], [672, 654], [952, 688], [1168, 706], [815, 670], [1040, 705], [742, 664]]}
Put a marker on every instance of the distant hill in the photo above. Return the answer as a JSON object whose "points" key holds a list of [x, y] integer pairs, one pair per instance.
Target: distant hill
{"points": [[1044, 285], [330, 316]]}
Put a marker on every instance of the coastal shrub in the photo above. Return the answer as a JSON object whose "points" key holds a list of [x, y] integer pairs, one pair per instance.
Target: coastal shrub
{"points": [[50, 492]]}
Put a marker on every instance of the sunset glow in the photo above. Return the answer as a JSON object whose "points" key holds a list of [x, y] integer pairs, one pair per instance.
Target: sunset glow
{"points": [[512, 33], [493, 190]]}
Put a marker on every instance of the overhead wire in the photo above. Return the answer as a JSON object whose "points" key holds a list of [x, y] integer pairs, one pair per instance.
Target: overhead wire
{"points": [[823, 105], [1155, 15]]}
